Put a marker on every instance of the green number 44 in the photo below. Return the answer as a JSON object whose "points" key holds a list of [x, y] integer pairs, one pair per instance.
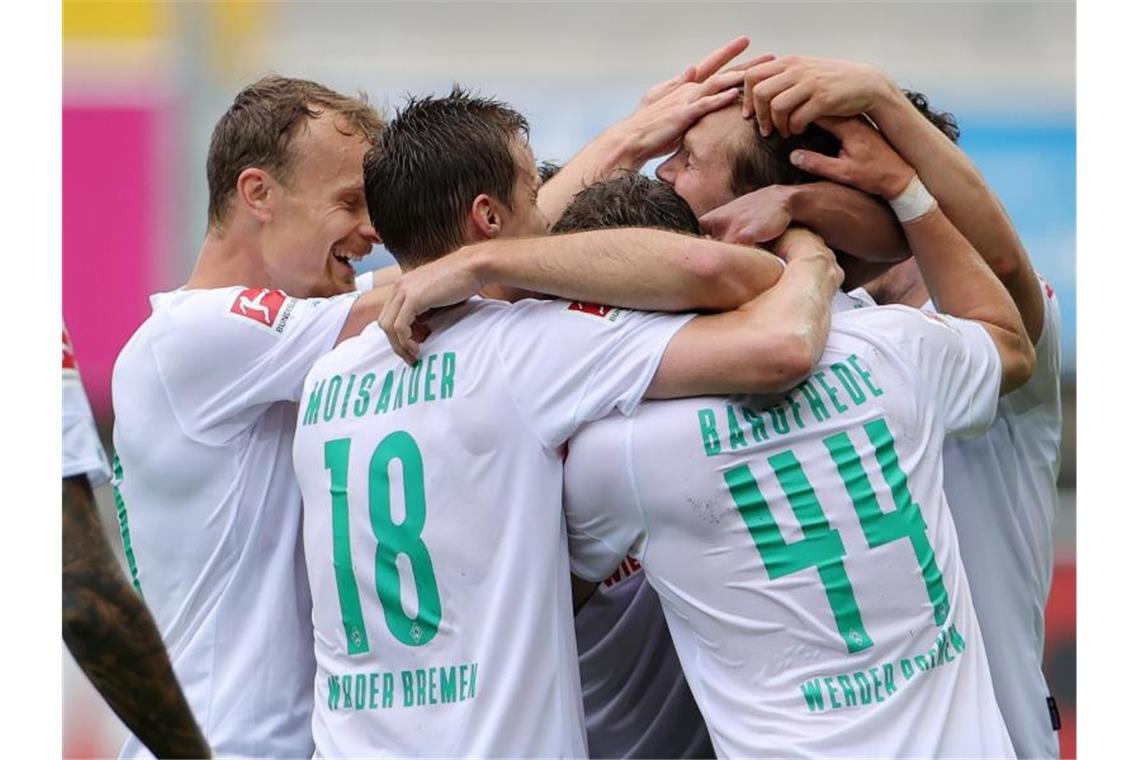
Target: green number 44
{"points": [[821, 546], [392, 540]]}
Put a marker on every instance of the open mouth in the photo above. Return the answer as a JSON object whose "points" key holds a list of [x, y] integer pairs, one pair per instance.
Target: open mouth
{"points": [[347, 257]]}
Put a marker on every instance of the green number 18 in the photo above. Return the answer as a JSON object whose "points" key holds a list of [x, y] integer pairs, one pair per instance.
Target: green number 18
{"points": [[822, 547], [392, 540]]}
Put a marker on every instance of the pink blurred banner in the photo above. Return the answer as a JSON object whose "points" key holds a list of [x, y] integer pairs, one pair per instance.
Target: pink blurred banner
{"points": [[109, 233]]}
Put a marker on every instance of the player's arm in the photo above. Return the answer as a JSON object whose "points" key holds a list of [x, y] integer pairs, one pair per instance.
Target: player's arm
{"points": [[769, 344], [113, 637], [664, 114], [847, 219], [789, 93], [644, 269], [959, 280]]}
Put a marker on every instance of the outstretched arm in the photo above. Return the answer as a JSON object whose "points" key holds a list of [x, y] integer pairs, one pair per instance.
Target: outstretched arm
{"points": [[788, 93], [959, 280], [847, 219], [113, 637], [766, 346], [645, 269], [665, 112]]}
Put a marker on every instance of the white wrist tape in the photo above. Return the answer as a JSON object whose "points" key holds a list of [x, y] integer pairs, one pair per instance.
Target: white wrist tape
{"points": [[914, 202]]}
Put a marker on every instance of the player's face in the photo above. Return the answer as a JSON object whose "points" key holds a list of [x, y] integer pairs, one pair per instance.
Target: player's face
{"points": [[320, 219], [524, 218], [701, 169]]}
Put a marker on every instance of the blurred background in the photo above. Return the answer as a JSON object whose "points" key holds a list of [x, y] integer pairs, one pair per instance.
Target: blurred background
{"points": [[144, 83]]}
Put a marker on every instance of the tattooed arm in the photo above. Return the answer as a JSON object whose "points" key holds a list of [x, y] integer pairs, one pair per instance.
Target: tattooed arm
{"points": [[113, 637]]}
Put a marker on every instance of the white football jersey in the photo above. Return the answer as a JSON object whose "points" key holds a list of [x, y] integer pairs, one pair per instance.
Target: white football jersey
{"points": [[82, 451], [802, 547], [1002, 490], [205, 396], [635, 696], [434, 536]]}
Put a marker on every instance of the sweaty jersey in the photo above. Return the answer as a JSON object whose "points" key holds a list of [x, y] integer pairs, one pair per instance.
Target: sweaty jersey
{"points": [[205, 397], [434, 536], [82, 451], [1002, 489], [636, 700], [802, 547]]}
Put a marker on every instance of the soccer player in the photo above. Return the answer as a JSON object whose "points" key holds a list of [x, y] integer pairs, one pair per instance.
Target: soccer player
{"points": [[205, 394], [718, 158], [801, 545], [106, 625], [433, 529], [636, 700], [1002, 487]]}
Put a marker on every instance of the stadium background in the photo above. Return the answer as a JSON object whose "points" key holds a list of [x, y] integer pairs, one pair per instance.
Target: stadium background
{"points": [[145, 81]]}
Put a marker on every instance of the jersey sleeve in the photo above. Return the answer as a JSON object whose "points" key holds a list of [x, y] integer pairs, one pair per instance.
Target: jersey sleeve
{"points": [[567, 364], [1044, 385], [82, 450], [957, 362], [226, 355], [604, 521]]}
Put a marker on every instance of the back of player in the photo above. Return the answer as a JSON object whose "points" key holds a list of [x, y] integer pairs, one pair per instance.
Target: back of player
{"points": [[803, 549], [433, 533]]}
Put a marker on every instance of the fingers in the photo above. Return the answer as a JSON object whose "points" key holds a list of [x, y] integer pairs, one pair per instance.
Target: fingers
{"points": [[410, 348], [388, 319], [716, 60], [723, 81], [785, 103], [758, 74], [696, 110], [761, 95], [746, 65], [834, 169]]}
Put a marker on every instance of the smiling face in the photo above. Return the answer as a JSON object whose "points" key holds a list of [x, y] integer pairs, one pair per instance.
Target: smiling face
{"points": [[319, 221], [701, 169]]}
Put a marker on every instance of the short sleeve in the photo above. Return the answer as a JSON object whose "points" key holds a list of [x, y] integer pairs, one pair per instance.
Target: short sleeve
{"points": [[957, 362], [1044, 385], [225, 355], [604, 521], [82, 450], [567, 364]]}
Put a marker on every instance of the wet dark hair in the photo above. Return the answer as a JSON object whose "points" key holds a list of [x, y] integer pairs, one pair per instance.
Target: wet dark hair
{"points": [[628, 200], [434, 158], [546, 170]]}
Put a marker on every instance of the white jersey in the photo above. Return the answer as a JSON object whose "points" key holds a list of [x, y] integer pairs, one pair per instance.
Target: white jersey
{"points": [[205, 396], [802, 547], [1002, 490], [442, 612], [635, 696], [82, 451]]}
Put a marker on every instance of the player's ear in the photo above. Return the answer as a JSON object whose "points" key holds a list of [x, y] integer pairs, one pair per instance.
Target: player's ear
{"points": [[253, 192], [485, 217]]}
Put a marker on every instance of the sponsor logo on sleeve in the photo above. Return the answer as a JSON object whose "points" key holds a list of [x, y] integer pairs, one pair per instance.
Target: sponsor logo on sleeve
{"points": [[610, 314], [268, 308]]}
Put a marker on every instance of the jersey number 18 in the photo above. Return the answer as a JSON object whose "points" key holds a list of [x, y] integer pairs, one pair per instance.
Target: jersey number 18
{"points": [[392, 540]]}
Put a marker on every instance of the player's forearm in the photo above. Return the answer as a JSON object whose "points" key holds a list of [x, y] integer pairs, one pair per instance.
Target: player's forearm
{"points": [[962, 285], [634, 268], [113, 638], [607, 153], [965, 198], [849, 220]]}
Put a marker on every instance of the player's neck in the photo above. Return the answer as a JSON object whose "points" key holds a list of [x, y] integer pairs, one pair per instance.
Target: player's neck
{"points": [[227, 261]]}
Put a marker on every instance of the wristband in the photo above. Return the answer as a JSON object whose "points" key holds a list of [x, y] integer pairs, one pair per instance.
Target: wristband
{"points": [[913, 202]]}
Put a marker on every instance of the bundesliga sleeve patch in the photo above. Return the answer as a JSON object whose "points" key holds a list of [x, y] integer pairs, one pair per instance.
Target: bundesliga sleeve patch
{"points": [[611, 314], [268, 308]]}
